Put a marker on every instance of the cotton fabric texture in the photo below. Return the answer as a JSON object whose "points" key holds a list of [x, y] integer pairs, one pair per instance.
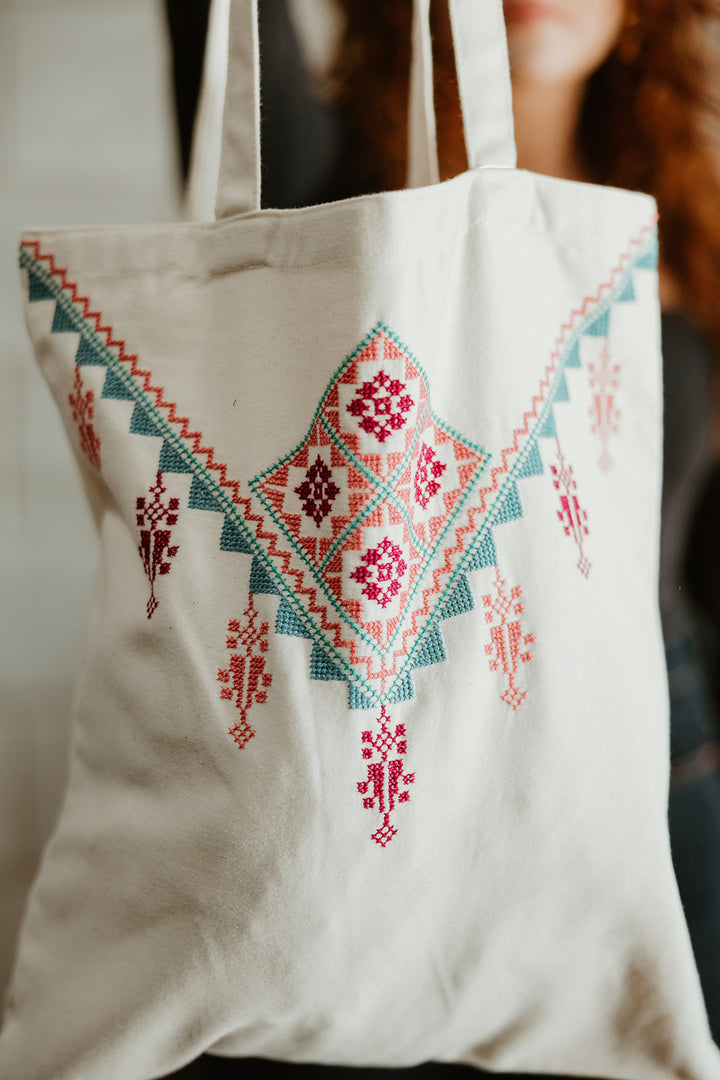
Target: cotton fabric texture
{"points": [[378, 489]]}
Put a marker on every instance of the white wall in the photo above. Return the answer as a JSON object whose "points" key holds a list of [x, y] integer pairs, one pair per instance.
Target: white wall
{"points": [[86, 137]]}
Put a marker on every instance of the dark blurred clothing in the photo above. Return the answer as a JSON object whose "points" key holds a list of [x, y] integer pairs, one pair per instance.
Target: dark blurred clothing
{"points": [[303, 145], [307, 158]]}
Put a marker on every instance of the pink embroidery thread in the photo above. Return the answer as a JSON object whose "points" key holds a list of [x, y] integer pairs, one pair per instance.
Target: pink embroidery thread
{"points": [[277, 547], [571, 515], [382, 790], [318, 491], [429, 468], [508, 647], [380, 412], [154, 541], [245, 678], [83, 412], [382, 573], [604, 378]]}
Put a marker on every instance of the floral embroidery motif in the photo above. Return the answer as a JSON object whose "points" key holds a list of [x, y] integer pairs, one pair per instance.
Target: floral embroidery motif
{"points": [[508, 647], [382, 404], [382, 573], [604, 379], [83, 411], [245, 679], [385, 774], [155, 550], [427, 473], [317, 491], [571, 514]]}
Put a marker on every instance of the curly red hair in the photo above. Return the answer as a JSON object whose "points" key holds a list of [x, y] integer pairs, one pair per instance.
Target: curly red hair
{"points": [[646, 125]]}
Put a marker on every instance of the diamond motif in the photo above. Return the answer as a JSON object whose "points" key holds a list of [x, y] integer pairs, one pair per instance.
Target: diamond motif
{"points": [[382, 404], [382, 572], [369, 565], [318, 491]]}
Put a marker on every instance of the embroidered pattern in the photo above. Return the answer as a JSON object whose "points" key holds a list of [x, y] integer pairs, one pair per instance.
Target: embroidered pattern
{"points": [[370, 430], [368, 583], [382, 405], [317, 491], [83, 411], [604, 379], [382, 571], [571, 515], [155, 550], [385, 774], [509, 645], [288, 558], [245, 679], [427, 473]]}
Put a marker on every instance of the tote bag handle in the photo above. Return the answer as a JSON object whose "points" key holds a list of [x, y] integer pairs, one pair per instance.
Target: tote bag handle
{"points": [[481, 61], [233, 75]]}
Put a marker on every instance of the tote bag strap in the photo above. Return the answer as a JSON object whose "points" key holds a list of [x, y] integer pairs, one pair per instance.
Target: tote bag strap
{"points": [[481, 61], [233, 73]]}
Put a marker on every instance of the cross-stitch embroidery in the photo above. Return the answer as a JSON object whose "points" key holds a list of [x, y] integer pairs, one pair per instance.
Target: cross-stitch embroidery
{"points": [[245, 680], [83, 411], [385, 774], [427, 473], [155, 550], [509, 644], [382, 572], [382, 405], [404, 479], [318, 491], [571, 514], [604, 380]]}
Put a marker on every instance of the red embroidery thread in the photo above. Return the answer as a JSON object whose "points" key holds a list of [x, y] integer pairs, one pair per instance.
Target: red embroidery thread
{"points": [[571, 515], [245, 678], [382, 789], [154, 541], [429, 468], [604, 378], [382, 573], [508, 647], [83, 412], [277, 548], [318, 491], [381, 413]]}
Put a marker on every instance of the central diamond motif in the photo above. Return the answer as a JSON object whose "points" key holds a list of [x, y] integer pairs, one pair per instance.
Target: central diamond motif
{"points": [[365, 525]]}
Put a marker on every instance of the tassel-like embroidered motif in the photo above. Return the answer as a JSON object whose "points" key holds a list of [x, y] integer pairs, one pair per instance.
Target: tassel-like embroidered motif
{"points": [[83, 411], [245, 679], [155, 550], [508, 647], [571, 514], [604, 379], [385, 773]]}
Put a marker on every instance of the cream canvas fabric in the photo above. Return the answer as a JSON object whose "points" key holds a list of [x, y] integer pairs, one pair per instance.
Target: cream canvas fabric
{"points": [[378, 488]]}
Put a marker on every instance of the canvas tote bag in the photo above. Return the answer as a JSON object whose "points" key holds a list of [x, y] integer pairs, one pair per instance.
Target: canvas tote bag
{"points": [[371, 754]]}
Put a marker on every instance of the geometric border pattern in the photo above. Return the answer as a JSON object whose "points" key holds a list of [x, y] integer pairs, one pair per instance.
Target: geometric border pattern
{"points": [[184, 450]]}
